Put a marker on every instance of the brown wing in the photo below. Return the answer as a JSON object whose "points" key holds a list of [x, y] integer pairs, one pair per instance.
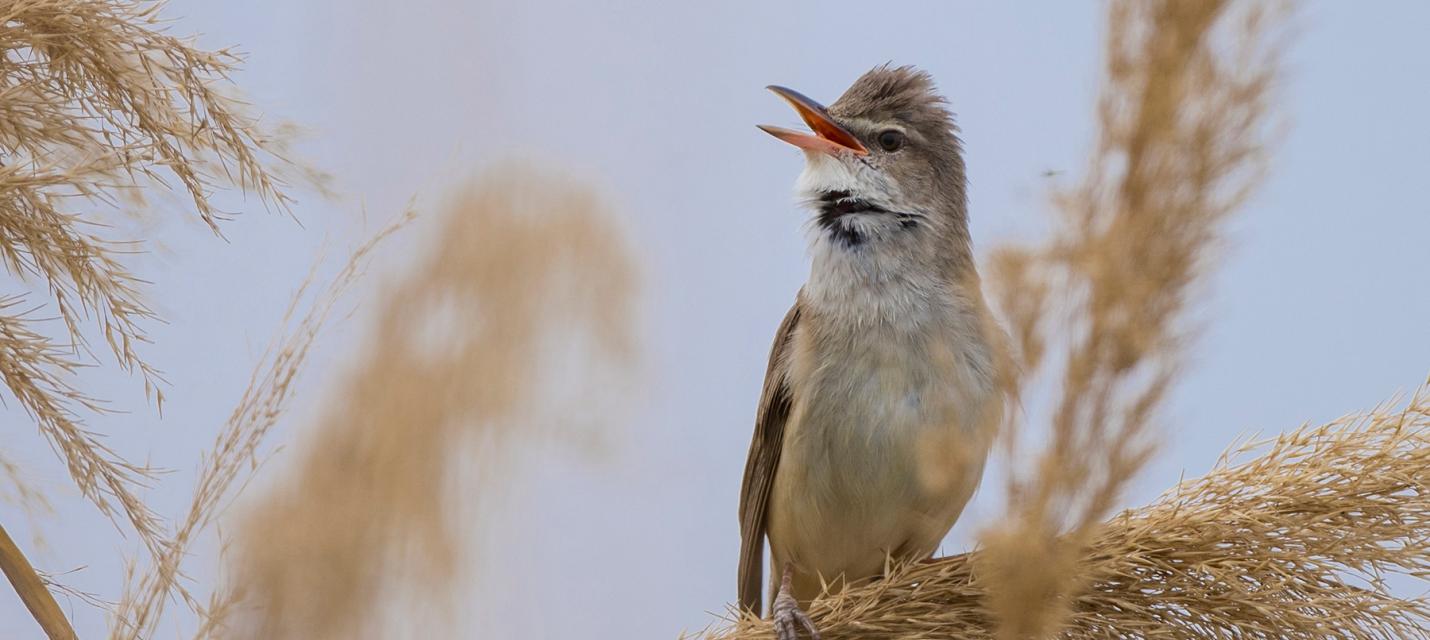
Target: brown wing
{"points": [[760, 466]]}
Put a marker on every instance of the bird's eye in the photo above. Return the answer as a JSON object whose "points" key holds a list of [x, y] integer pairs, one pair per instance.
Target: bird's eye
{"points": [[891, 140]]}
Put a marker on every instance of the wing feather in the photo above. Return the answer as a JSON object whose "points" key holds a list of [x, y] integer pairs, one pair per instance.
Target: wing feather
{"points": [[762, 463]]}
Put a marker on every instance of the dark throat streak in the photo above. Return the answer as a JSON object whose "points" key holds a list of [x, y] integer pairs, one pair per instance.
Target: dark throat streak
{"points": [[835, 205]]}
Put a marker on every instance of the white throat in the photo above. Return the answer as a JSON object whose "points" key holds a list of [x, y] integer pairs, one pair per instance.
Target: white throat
{"points": [[877, 279]]}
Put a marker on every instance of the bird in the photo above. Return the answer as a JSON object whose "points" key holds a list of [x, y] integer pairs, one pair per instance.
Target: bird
{"points": [[881, 398]]}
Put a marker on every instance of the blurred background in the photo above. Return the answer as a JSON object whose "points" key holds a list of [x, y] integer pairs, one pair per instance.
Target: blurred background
{"points": [[1318, 308]]}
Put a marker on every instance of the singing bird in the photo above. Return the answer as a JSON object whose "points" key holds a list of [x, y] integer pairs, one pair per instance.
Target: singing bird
{"points": [[881, 396]]}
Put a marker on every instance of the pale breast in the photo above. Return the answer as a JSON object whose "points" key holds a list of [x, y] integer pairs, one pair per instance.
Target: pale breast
{"points": [[884, 445]]}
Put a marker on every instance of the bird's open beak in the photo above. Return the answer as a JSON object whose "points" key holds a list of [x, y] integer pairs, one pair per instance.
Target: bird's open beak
{"points": [[828, 137]]}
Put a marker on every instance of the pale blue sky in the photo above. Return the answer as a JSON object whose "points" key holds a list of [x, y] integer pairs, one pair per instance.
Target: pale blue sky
{"points": [[1319, 307]]}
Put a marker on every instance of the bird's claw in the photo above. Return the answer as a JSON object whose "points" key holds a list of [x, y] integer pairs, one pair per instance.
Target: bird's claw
{"points": [[788, 617]]}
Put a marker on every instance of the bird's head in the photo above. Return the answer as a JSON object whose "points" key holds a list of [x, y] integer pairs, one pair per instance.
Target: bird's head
{"points": [[883, 163]]}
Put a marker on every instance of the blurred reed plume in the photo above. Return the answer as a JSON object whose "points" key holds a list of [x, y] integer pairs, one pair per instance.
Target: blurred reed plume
{"points": [[1290, 537], [1292, 544], [98, 106], [1182, 119], [459, 366]]}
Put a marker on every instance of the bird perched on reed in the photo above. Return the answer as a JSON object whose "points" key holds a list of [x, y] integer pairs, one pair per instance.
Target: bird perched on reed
{"points": [[881, 396]]}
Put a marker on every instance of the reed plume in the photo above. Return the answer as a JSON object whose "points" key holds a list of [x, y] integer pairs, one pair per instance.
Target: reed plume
{"points": [[99, 107], [457, 370], [1182, 122], [99, 110]]}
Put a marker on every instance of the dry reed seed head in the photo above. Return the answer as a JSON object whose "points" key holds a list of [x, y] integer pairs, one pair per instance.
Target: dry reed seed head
{"points": [[1180, 143], [457, 362], [97, 105]]}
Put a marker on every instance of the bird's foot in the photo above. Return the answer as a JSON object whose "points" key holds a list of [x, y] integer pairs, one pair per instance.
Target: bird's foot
{"points": [[788, 617]]}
